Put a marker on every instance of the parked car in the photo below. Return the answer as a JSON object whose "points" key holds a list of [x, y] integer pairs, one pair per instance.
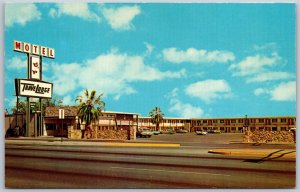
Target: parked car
{"points": [[213, 131], [217, 131], [181, 131], [156, 132], [144, 132], [168, 131], [201, 132]]}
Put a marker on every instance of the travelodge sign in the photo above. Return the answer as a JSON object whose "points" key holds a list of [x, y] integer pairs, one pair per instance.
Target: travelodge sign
{"points": [[31, 88]]}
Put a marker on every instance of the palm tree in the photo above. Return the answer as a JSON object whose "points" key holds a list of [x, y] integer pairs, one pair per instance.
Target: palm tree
{"points": [[89, 110], [157, 117]]}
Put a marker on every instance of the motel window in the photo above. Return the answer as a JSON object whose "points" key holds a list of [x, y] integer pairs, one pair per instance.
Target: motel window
{"points": [[274, 120], [283, 120], [222, 121], [261, 120], [215, 121], [233, 121], [204, 121], [292, 121], [274, 128], [51, 126], [241, 121]]}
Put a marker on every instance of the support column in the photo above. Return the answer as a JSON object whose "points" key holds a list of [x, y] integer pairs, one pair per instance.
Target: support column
{"points": [[35, 125], [41, 118], [28, 117]]}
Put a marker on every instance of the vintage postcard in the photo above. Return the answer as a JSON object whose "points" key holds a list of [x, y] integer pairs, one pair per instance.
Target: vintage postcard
{"points": [[161, 95]]}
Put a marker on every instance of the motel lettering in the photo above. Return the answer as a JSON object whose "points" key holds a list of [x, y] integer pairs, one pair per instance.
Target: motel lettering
{"points": [[36, 89], [34, 49]]}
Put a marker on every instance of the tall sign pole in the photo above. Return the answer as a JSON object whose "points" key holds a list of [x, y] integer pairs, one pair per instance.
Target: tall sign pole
{"points": [[33, 86], [28, 102], [61, 115]]}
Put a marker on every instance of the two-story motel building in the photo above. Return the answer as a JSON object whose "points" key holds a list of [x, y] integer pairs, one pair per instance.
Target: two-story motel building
{"points": [[226, 125], [110, 120]]}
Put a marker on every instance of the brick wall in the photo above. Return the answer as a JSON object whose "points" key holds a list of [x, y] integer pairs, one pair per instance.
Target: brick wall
{"points": [[74, 133], [269, 136], [113, 134], [126, 133]]}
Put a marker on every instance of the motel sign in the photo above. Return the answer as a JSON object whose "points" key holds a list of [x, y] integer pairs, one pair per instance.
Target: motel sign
{"points": [[33, 86], [34, 49]]}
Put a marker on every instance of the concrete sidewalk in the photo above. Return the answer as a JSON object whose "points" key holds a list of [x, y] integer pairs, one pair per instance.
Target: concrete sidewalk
{"points": [[267, 153]]}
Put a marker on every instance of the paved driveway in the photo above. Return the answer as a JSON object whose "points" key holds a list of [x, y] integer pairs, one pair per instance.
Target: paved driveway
{"points": [[193, 138]]}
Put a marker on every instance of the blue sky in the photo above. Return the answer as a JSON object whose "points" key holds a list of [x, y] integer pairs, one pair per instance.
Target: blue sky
{"points": [[191, 60]]}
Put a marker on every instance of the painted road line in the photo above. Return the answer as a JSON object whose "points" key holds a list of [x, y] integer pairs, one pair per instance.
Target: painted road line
{"points": [[140, 144], [168, 171]]}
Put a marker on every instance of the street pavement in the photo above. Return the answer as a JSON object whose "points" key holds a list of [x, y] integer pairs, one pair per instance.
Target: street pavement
{"points": [[163, 161], [243, 149]]}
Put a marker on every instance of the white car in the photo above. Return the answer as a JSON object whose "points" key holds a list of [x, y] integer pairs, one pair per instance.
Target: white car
{"points": [[144, 132], [201, 132]]}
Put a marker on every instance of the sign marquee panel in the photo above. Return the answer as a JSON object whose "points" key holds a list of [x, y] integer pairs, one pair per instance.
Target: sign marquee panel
{"points": [[34, 49], [32, 88], [35, 68]]}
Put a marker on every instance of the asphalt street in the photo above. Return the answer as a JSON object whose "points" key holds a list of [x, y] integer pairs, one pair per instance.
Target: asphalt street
{"points": [[36, 165]]}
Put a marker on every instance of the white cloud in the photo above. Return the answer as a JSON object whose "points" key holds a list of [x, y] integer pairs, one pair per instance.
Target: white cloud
{"points": [[121, 18], [197, 56], [209, 90], [21, 13], [69, 100], [267, 46], [110, 73], [184, 110], [65, 77], [16, 63], [252, 65], [260, 91], [284, 92], [270, 76], [80, 10], [149, 48]]}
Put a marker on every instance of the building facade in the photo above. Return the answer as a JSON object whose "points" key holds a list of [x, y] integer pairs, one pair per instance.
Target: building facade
{"points": [[225, 125], [130, 122], [109, 120]]}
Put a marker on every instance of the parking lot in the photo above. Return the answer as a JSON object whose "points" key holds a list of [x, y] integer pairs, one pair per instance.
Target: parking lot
{"points": [[194, 139]]}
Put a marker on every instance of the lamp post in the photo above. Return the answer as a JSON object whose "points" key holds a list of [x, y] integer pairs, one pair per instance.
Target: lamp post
{"points": [[246, 122], [246, 125]]}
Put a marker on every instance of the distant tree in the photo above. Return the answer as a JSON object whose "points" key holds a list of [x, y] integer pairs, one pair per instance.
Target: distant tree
{"points": [[156, 116], [22, 107], [89, 109], [54, 101], [49, 102]]}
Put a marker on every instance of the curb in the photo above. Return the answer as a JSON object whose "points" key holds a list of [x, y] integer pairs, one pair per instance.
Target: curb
{"points": [[270, 154], [103, 143], [255, 143]]}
